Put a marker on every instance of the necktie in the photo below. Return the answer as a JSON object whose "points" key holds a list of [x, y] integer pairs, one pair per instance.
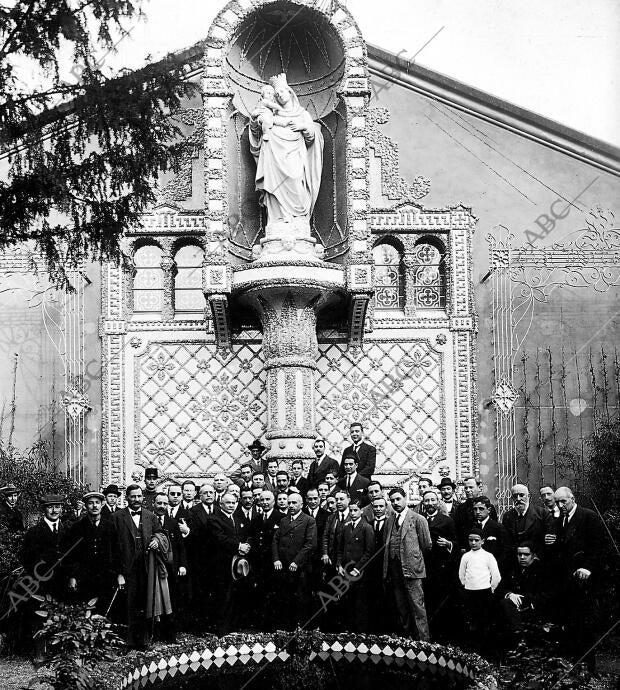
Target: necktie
{"points": [[134, 513], [161, 520], [55, 528], [341, 517], [377, 526], [348, 481]]}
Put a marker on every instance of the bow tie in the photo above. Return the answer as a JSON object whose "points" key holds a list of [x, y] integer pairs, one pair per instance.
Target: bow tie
{"points": [[133, 513]]}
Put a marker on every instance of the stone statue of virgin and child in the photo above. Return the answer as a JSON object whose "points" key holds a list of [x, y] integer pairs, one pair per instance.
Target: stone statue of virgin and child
{"points": [[288, 148]]}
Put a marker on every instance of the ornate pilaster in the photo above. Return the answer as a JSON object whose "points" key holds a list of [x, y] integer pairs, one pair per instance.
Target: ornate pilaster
{"points": [[167, 266], [291, 352], [409, 263]]}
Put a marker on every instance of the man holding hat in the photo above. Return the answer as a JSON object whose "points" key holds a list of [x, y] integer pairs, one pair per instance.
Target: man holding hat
{"points": [[10, 514], [94, 555], [150, 481], [111, 494], [41, 553]]}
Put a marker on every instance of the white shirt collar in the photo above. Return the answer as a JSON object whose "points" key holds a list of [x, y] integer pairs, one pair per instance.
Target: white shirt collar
{"points": [[403, 515], [484, 522], [572, 512], [297, 514]]}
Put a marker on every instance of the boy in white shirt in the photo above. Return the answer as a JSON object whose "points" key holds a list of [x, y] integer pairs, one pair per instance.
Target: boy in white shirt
{"points": [[480, 576]]}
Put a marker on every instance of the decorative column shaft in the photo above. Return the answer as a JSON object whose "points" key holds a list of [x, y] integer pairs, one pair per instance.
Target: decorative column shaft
{"points": [[168, 267], [291, 350]]}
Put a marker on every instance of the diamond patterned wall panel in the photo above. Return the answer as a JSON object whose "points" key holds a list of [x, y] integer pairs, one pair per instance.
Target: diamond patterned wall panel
{"points": [[397, 390], [196, 411]]}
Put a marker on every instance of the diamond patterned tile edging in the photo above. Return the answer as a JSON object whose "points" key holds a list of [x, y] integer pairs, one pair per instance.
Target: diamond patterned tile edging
{"points": [[269, 651]]}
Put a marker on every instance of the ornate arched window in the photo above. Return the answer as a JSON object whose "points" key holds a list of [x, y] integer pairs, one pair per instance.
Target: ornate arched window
{"points": [[428, 277], [389, 277], [189, 300], [148, 281]]}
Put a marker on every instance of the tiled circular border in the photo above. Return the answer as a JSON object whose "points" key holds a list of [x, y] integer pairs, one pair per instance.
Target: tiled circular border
{"points": [[258, 652]]}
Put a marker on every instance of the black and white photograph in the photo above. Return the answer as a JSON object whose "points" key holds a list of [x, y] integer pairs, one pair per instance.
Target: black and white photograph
{"points": [[309, 361]]}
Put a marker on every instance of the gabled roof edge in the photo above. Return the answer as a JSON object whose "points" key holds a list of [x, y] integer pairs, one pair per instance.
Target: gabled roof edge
{"points": [[440, 87]]}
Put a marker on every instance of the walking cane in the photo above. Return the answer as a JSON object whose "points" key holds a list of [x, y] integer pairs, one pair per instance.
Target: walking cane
{"points": [[154, 558], [112, 602]]}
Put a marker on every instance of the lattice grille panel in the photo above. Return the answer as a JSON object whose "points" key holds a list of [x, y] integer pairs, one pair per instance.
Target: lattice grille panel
{"points": [[397, 390], [196, 411]]}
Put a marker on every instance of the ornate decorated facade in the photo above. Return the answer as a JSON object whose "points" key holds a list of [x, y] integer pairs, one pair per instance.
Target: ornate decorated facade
{"points": [[452, 282], [210, 343]]}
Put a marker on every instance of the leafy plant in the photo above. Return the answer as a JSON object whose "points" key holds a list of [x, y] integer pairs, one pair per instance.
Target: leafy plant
{"points": [[35, 473], [75, 638]]}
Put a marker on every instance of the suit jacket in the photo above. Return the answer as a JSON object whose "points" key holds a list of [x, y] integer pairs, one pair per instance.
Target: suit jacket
{"points": [[106, 513], [582, 542], [356, 545], [496, 541], [295, 541], [316, 473], [199, 542], [369, 516], [331, 535], [225, 538], [321, 521], [123, 525], [11, 517], [463, 516], [302, 484], [177, 543], [366, 459], [40, 552], [93, 553], [439, 558], [264, 529], [358, 487], [246, 526], [532, 582], [531, 527], [415, 539], [183, 513]]}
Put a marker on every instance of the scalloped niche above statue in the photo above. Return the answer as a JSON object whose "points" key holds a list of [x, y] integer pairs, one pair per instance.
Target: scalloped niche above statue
{"points": [[300, 42], [282, 37]]}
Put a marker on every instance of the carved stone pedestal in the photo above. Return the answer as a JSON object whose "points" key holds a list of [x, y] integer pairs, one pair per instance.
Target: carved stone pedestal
{"points": [[287, 299]]}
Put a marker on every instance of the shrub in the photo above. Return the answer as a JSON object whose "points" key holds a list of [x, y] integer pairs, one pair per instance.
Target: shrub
{"points": [[75, 638]]}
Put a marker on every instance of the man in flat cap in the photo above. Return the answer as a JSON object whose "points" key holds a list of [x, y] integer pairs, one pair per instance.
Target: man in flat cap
{"points": [[10, 515], [150, 481], [91, 563], [111, 494], [41, 553]]}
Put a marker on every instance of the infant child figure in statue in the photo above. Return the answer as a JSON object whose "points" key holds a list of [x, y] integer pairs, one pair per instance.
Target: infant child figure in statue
{"points": [[288, 148], [265, 110]]}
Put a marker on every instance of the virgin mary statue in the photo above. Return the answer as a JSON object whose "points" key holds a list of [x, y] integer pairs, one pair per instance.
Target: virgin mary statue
{"points": [[288, 148]]}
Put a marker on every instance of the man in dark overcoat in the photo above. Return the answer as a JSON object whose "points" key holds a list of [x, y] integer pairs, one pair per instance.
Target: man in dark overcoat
{"points": [[134, 527], [92, 562], [293, 544]]}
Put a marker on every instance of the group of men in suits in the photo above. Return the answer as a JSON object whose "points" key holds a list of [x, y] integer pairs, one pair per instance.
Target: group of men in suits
{"points": [[268, 549]]}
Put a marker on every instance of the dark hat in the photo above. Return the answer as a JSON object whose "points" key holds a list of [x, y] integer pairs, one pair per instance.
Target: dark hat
{"points": [[9, 489], [93, 494], [240, 567], [111, 489], [256, 445], [52, 499], [151, 473], [446, 481]]}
